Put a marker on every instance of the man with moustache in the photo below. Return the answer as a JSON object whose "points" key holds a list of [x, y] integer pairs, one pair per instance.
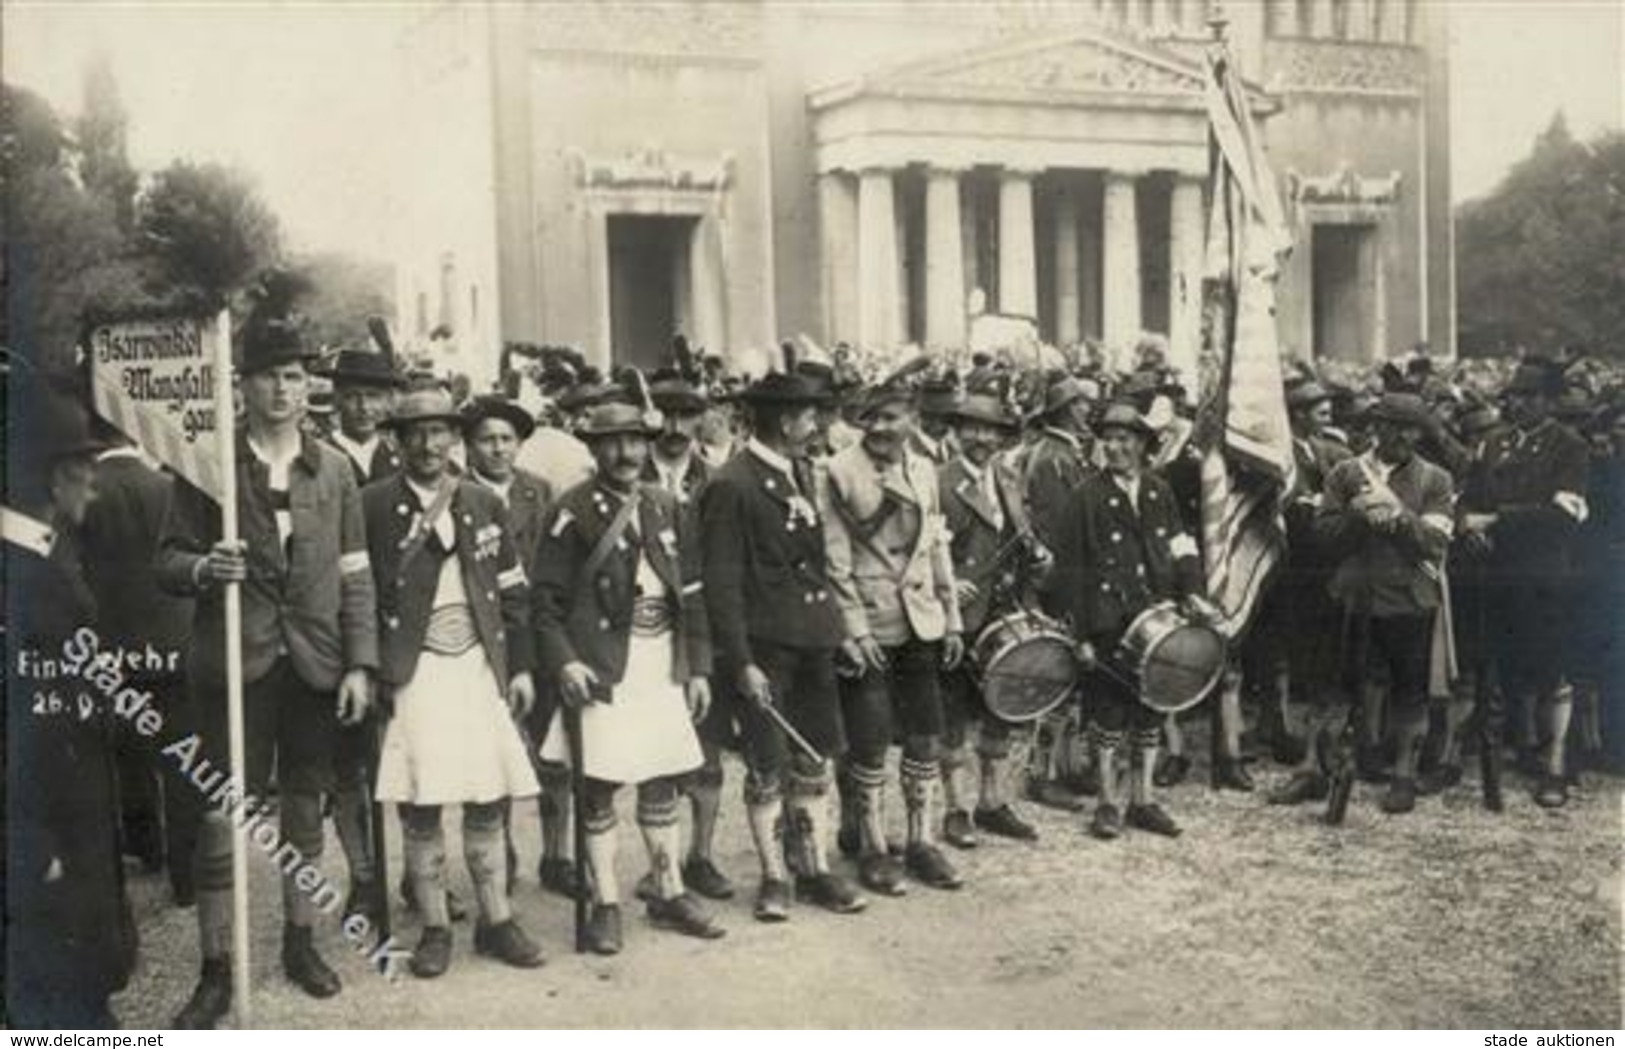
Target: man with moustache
{"points": [[1124, 549], [621, 628], [453, 605], [892, 576], [776, 630], [992, 565], [309, 642], [365, 386], [1386, 521], [675, 465]]}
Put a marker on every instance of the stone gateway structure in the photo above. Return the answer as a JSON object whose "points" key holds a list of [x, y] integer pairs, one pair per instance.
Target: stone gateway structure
{"points": [[607, 174]]}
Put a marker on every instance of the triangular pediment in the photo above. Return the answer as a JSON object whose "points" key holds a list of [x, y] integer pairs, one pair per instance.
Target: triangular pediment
{"points": [[1079, 65]]}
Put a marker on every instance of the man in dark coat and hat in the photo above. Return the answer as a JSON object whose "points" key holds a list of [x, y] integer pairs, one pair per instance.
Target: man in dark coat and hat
{"points": [[69, 938]]}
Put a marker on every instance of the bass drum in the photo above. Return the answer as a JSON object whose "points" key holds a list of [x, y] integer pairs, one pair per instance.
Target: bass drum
{"points": [[1174, 660], [1025, 664]]}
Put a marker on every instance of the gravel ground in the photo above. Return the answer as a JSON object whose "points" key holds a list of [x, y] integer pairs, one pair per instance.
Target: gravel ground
{"points": [[1257, 917]]}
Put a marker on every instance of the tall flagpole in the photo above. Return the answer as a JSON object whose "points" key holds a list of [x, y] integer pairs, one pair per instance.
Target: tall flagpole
{"points": [[225, 418]]}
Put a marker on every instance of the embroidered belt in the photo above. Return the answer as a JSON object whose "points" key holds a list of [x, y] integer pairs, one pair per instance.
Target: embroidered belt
{"points": [[651, 616], [451, 631]]}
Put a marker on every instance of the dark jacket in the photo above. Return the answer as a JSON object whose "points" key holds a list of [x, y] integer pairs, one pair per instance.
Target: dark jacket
{"points": [[1117, 559], [315, 599], [386, 462], [529, 500], [1520, 480], [62, 802], [492, 575], [120, 543], [1397, 573], [590, 619], [982, 534], [765, 572], [1055, 464]]}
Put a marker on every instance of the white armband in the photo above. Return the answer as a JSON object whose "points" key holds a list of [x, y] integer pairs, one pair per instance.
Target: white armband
{"points": [[353, 562], [1573, 504]]}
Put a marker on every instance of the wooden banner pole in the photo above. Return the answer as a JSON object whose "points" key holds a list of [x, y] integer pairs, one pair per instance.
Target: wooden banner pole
{"points": [[225, 428]]}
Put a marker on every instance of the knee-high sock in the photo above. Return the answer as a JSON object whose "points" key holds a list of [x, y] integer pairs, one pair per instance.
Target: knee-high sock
{"points": [[485, 852], [955, 773], [1228, 723], [1559, 712], [1463, 694], [1410, 725], [352, 812], [807, 805], [302, 828], [1106, 742], [1145, 742], [212, 876], [919, 782], [764, 809], [601, 850], [1371, 708], [705, 801], [425, 848], [869, 786], [657, 822], [993, 761], [553, 809]]}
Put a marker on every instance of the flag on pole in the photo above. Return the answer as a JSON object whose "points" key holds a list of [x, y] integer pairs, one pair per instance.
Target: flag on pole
{"points": [[1247, 463]]}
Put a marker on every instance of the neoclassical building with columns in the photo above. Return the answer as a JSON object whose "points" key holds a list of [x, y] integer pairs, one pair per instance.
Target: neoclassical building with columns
{"points": [[607, 174]]}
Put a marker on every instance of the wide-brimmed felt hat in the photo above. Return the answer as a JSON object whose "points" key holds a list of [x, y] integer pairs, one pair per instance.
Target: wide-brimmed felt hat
{"points": [[365, 368], [983, 408], [425, 404], [1405, 409], [939, 396], [1068, 390], [677, 395], [1122, 415], [882, 394], [615, 418], [1306, 393], [1477, 419], [490, 406], [267, 344], [53, 426], [783, 389]]}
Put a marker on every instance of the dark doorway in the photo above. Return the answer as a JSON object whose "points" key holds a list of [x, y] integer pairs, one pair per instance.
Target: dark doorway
{"points": [[1344, 290], [648, 286]]}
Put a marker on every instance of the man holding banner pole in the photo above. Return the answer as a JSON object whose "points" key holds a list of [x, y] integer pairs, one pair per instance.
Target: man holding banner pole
{"points": [[308, 648]]}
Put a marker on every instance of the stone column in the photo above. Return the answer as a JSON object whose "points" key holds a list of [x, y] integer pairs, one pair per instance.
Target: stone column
{"points": [[1359, 15], [838, 235], [707, 282], [944, 261], [1322, 22], [1018, 265], [1284, 17], [880, 314], [1068, 307], [1185, 228], [1121, 277]]}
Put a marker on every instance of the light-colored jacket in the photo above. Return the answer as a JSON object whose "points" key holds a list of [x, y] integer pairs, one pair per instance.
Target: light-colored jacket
{"points": [[890, 563]]}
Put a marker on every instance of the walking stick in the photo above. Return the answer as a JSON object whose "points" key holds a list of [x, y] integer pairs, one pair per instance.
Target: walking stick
{"points": [[578, 807], [380, 841]]}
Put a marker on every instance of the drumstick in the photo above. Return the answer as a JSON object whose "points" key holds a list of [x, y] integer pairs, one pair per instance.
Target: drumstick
{"points": [[790, 731]]}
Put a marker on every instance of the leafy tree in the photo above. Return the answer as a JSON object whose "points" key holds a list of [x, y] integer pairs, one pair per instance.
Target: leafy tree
{"points": [[207, 228], [345, 291], [1540, 260]]}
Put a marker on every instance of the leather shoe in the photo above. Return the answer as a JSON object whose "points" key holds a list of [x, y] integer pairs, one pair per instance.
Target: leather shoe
{"points": [[454, 907], [1230, 774], [1004, 822], [1438, 779], [685, 915], [432, 956], [831, 892], [1050, 794], [773, 900], [558, 876], [211, 998], [703, 876], [878, 872], [1153, 818], [1286, 748], [508, 944], [1553, 792], [930, 867], [1369, 765], [1400, 797], [1171, 770], [604, 929], [956, 830], [302, 965], [1107, 822], [1299, 788]]}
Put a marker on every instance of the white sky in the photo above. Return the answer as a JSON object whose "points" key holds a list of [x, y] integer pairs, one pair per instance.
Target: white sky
{"points": [[298, 92]]}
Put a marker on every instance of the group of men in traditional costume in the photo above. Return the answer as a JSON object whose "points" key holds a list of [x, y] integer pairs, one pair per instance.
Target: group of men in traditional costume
{"points": [[429, 623]]}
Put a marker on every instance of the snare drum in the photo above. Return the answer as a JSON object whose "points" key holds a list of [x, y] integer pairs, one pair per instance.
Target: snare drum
{"points": [[1174, 660], [1025, 664]]}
